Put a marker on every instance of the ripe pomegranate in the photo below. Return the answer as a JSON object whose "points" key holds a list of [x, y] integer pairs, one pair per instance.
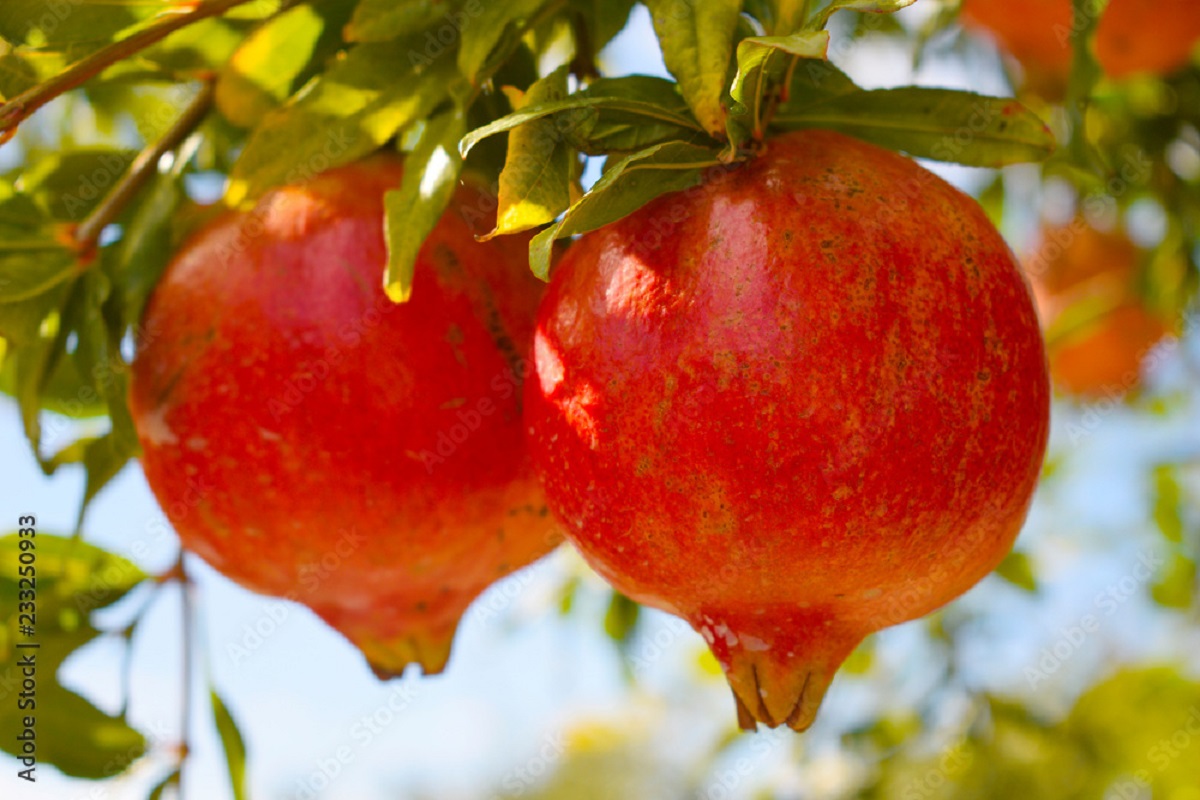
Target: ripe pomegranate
{"points": [[794, 405], [1102, 357], [1034, 32], [1084, 283], [1147, 36], [1132, 36], [310, 439]]}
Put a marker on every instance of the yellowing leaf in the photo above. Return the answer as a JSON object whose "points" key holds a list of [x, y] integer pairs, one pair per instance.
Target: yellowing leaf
{"points": [[697, 45], [349, 111], [1017, 569], [431, 172], [260, 74], [535, 184]]}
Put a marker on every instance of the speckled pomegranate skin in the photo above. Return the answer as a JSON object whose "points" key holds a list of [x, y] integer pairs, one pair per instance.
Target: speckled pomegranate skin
{"points": [[794, 405], [310, 439]]}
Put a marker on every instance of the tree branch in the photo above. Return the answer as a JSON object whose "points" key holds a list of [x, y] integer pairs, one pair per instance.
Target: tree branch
{"points": [[18, 109], [87, 235]]}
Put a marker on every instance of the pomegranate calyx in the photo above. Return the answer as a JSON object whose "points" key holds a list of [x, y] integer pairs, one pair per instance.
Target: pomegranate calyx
{"points": [[389, 655], [778, 665]]}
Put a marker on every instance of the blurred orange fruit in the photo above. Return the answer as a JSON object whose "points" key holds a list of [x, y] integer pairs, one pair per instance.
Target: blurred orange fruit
{"points": [[1132, 36], [1035, 32], [1099, 330], [1103, 358], [1147, 36]]}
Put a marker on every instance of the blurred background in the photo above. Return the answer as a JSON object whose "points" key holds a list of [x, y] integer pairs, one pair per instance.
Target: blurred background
{"points": [[1074, 672]]}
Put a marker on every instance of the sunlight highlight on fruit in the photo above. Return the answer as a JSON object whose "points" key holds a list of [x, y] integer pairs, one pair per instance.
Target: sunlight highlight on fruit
{"points": [[794, 405], [310, 439]]}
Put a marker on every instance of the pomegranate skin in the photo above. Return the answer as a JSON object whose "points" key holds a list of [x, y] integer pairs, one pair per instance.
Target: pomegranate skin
{"points": [[310, 439], [794, 405]]}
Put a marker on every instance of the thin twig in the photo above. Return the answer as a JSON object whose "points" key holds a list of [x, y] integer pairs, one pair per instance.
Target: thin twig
{"points": [[18, 109], [87, 235], [189, 638]]}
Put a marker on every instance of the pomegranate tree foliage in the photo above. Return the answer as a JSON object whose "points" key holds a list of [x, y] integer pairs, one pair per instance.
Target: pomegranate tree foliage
{"points": [[263, 92]]}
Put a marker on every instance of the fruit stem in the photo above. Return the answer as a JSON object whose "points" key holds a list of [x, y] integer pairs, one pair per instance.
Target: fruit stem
{"points": [[584, 63], [87, 235], [19, 108]]}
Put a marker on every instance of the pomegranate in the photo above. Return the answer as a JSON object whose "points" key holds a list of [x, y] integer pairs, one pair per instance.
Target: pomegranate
{"points": [[1035, 32], [1154, 37], [1101, 329], [1132, 37], [310, 439], [798, 403]]}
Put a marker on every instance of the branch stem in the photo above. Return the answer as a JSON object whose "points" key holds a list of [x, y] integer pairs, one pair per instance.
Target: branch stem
{"points": [[189, 641], [87, 235], [19, 108]]}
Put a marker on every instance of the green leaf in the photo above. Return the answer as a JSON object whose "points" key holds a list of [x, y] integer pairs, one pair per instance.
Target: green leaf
{"points": [[535, 184], [201, 46], [630, 101], [697, 45], [761, 62], [69, 185], [382, 20], [32, 364], [20, 321], [104, 458], [262, 72], [603, 19], [53, 26], [625, 186], [486, 31], [135, 263], [348, 112], [258, 10], [1167, 496], [1140, 720], [816, 80], [72, 734], [64, 391], [161, 787], [868, 6], [1177, 587], [29, 268], [71, 574], [786, 17], [621, 619], [644, 89], [607, 130], [97, 354], [431, 173], [1017, 569], [16, 75], [73, 579], [940, 124], [861, 659], [233, 744], [566, 596]]}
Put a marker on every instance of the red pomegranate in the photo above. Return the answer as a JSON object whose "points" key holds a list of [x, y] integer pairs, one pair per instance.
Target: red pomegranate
{"points": [[794, 405], [1132, 37], [308, 438]]}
